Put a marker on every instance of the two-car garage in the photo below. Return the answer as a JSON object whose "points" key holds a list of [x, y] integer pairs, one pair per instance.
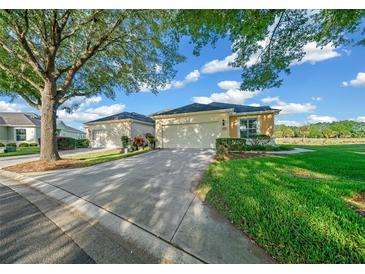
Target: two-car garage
{"points": [[193, 135]]}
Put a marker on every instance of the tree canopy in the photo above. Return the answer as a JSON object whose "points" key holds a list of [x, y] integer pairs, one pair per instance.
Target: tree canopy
{"points": [[266, 43], [339, 129]]}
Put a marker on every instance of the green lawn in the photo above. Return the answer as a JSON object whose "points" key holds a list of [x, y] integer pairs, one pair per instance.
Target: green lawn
{"points": [[21, 151], [93, 158], [294, 206]]}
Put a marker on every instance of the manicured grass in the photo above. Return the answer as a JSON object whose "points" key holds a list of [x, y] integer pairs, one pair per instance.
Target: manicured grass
{"points": [[295, 206], [94, 158], [21, 151]]}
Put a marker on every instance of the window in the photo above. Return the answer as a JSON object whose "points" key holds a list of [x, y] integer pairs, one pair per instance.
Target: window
{"points": [[248, 128], [21, 134]]}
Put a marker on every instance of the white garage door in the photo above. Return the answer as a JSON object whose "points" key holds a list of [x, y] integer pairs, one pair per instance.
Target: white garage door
{"points": [[200, 135]]}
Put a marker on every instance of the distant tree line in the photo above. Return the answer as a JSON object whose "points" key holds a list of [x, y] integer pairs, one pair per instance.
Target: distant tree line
{"points": [[340, 129]]}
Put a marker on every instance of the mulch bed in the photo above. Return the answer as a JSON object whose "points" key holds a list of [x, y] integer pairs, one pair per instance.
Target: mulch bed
{"points": [[39, 165]]}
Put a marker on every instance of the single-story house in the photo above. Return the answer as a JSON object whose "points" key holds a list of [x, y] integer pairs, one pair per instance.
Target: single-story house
{"points": [[25, 127], [107, 131], [19, 127], [199, 125], [64, 130]]}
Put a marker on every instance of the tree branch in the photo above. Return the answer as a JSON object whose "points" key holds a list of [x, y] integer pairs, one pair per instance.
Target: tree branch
{"points": [[86, 56], [21, 76], [30, 101], [21, 34]]}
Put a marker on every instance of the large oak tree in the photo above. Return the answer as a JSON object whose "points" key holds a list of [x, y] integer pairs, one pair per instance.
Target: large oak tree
{"points": [[50, 56]]}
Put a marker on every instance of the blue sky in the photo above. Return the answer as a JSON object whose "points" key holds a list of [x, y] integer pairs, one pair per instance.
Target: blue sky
{"points": [[326, 86]]}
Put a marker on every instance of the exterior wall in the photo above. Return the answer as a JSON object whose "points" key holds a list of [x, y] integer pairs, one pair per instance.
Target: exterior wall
{"points": [[191, 119], [7, 135], [265, 124], [110, 134], [141, 129]]}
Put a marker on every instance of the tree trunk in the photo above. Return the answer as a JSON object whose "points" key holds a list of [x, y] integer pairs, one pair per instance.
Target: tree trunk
{"points": [[49, 149]]}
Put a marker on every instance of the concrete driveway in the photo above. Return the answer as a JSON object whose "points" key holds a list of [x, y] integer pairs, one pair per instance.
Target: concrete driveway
{"points": [[154, 191]]}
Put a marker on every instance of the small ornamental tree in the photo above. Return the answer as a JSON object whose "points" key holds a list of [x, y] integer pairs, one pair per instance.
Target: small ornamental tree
{"points": [[50, 56]]}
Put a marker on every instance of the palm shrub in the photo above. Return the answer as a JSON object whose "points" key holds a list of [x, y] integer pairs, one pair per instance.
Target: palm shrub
{"points": [[151, 140], [125, 141]]}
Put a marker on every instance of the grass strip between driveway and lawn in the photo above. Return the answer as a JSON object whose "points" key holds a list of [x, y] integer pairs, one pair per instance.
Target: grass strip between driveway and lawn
{"points": [[298, 207], [74, 161], [21, 151]]}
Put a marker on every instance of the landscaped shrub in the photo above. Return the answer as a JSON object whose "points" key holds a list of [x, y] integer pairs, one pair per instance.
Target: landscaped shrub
{"points": [[268, 148], [138, 142], [33, 144], [82, 143], [151, 140], [125, 141], [23, 145], [231, 144], [260, 140], [64, 143], [2, 145], [11, 145]]}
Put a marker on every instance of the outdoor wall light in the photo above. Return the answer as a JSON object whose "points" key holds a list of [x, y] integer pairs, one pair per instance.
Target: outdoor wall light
{"points": [[223, 122]]}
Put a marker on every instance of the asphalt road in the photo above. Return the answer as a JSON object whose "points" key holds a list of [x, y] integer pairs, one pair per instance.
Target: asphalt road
{"points": [[28, 236]]}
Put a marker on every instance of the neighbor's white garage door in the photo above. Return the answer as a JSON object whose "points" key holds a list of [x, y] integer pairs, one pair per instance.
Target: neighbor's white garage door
{"points": [[200, 135]]}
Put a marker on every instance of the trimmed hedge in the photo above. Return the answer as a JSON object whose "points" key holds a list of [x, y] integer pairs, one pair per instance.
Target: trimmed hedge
{"points": [[231, 144], [23, 145], [2, 145], [66, 143], [33, 144], [82, 143], [11, 145]]}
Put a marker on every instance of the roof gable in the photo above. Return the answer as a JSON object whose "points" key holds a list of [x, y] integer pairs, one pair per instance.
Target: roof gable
{"points": [[123, 116], [19, 119], [196, 107]]}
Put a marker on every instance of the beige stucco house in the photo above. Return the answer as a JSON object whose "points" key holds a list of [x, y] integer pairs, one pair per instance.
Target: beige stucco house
{"points": [[107, 132], [199, 125]]}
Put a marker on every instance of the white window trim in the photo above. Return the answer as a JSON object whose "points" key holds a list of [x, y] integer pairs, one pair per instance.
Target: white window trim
{"points": [[246, 118], [15, 134]]}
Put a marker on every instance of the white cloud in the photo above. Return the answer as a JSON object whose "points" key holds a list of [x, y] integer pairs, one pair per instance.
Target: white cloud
{"points": [[10, 107], [292, 108], [359, 81], [189, 78], [268, 100], [226, 85], [217, 65], [314, 54], [360, 119], [321, 119], [317, 98], [84, 113], [254, 105], [232, 96], [289, 123]]}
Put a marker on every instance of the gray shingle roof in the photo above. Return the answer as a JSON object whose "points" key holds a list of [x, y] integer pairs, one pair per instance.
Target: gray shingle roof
{"points": [[61, 125], [195, 107], [125, 115], [19, 119]]}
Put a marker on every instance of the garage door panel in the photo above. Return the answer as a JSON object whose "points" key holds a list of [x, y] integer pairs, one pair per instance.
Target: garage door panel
{"points": [[199, 135]]}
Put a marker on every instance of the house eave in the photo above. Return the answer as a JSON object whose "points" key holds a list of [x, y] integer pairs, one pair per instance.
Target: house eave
{"points": [[193, 113]]}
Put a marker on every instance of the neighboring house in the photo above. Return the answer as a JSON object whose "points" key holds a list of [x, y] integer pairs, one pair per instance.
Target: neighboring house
{"points": [[64, 130], [199, 125], [107, 132], [19, 127]]}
